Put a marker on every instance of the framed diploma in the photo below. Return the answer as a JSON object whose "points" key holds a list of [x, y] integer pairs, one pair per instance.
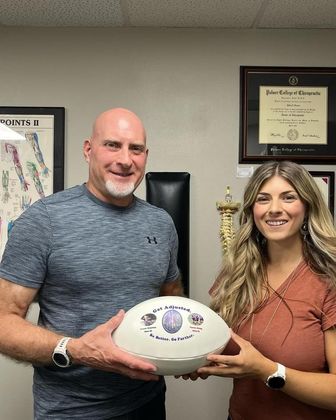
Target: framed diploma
{"points": [[287, 113], [326, 182], [33, 167]]}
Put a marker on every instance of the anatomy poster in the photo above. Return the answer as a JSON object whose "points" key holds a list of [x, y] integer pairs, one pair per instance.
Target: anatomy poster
{"points": [[26, 167]]}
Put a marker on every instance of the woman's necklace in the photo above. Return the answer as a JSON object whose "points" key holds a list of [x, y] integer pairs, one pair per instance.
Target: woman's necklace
{"points": [[281, 298]]}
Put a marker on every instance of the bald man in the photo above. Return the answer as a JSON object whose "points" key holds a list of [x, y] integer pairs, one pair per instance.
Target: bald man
{"points": [[83, 254]]}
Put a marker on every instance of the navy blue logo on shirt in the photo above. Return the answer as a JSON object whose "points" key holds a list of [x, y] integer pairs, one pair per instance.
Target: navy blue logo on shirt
{"points": [[151, 240]]}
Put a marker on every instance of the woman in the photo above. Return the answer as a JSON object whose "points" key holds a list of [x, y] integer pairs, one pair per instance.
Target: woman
{"points": [[277, 291]]}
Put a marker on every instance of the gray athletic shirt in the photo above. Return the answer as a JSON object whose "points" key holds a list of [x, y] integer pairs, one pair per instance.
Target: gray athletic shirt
{"points": [[89, 259]]}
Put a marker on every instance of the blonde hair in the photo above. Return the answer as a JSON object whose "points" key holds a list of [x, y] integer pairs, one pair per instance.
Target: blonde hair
{"points": [[239, 285]]}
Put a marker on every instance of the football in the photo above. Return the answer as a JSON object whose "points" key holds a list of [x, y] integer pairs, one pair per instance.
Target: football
{"points": [[174, 333]]}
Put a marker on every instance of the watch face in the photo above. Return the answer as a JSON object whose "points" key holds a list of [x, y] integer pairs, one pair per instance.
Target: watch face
{"points": [[60, 359], [277, 382]]}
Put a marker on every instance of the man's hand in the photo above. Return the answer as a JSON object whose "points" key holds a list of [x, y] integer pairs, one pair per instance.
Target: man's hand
{"points": [[97, 350], [193, 376]]}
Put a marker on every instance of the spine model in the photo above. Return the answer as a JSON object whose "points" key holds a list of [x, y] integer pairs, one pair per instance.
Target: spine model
{"points": [[227, 209]]}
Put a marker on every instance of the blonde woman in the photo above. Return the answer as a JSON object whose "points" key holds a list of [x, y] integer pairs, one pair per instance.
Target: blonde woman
{"points": [[277, 291]]}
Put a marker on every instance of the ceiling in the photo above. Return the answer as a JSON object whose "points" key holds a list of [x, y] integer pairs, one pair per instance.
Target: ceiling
{"points": [[247, 14]]}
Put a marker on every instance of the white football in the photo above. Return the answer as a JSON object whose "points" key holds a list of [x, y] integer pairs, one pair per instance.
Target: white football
{"points": [[174, 333]]}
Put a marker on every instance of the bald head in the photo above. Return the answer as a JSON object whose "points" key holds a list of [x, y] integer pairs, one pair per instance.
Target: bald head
{"points": [[121, 120]]}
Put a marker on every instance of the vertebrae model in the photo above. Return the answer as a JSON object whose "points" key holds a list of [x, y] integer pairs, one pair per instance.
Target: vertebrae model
{"points": [[227, 209]]}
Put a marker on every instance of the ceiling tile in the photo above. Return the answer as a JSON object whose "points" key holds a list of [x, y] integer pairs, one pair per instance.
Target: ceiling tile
{"points": [[193, 13], [299, 14], [61, 12]]}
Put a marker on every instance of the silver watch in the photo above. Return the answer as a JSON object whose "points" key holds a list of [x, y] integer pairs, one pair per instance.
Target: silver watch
{"points": [[60, 356], [278, 379]]}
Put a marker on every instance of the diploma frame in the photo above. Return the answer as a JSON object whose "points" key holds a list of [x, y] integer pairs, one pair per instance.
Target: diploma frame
{"points": [[326, 182], [254, 80], [58, 136]]}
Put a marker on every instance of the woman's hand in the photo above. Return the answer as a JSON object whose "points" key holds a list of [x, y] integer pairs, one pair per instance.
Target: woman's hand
{"points": [[249, 362]]}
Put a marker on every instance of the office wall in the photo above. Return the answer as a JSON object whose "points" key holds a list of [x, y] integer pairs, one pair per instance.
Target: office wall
{"points": [[184, 84]]}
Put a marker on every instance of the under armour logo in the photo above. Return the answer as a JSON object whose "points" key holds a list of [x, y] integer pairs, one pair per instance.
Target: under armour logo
{"points": [[151, 240]]}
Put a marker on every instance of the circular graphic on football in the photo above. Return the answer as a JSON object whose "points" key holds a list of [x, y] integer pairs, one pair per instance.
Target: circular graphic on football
{"points": [[148, 319], [172, 321], [195, 319]]}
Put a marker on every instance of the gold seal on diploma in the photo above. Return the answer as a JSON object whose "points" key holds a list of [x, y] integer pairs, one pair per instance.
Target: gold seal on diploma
{"points": [[292, 134]]}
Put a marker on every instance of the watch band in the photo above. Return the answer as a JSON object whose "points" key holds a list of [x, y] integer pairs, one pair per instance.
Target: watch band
{"points": [[61, 345], [281, 370]]}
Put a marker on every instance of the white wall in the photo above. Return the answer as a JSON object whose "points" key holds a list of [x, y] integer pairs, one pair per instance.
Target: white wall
{"points": [[184, 84]]}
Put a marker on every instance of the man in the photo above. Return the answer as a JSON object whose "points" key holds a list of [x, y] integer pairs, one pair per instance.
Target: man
{"points": [[83, 254]]}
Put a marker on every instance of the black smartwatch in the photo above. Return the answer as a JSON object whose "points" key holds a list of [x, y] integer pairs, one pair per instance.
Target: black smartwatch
{"points": [[60, 356], [278, 379]]}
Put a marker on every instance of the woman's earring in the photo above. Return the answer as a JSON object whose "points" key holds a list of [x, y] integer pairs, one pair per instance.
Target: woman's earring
{"points": [[304, 230]]}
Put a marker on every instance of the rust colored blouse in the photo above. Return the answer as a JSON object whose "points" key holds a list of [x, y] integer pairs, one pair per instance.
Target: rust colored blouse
{"points": [[295, 338]]}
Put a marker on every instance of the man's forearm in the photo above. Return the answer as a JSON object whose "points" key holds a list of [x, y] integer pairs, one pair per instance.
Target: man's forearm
{"points": [[24, 341]]}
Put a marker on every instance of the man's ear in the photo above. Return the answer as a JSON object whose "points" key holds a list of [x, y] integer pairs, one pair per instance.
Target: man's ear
{"points": [[87, 149]]}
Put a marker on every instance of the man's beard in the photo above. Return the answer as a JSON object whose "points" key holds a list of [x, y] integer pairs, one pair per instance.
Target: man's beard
{"points": [[119, 190]]}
